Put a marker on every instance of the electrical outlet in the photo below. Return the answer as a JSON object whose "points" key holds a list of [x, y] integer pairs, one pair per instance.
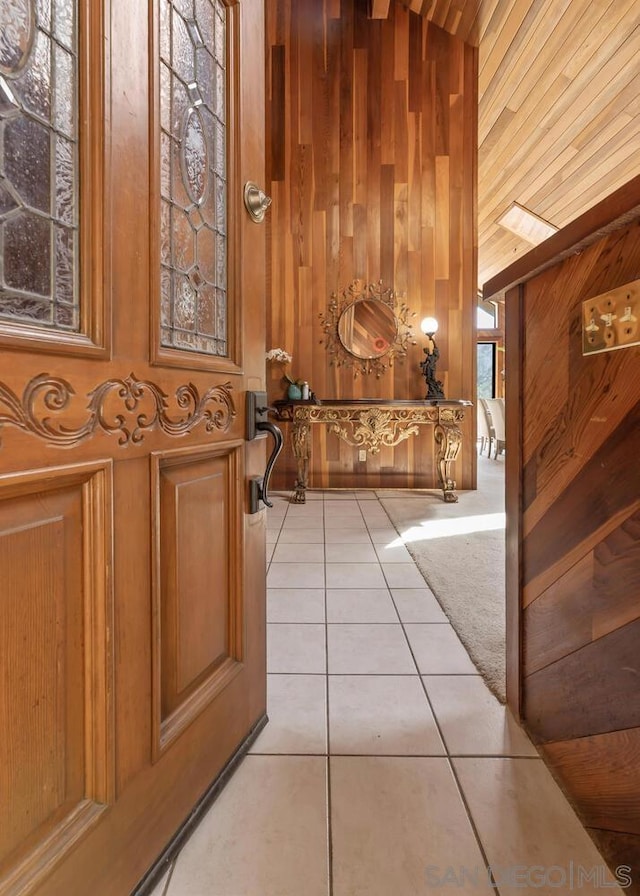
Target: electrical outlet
{"points": [[362, 455]]}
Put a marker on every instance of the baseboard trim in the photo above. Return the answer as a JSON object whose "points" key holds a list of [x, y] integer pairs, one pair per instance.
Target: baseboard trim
{"points": [[154, 874]]}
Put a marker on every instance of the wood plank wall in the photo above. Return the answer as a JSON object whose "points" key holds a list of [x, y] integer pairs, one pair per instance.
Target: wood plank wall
{"points": [[371, 135], [580, 550]]}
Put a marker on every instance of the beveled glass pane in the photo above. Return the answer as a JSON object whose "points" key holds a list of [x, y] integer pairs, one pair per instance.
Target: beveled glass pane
{"points": [[221, 34], [165, 30], [17, 31], [165, 234], [221, 319], [34, 88], [64, 316], [165, 166], [185, 340], [39, 173], [195, 157], [64, 25], [220, 93], [65, 275], [27, 310], [205, 20], [183, 53], [44, 13], [221, 261], [28, 162], [7, 201], [9, 104], [196, 219], [28, 237], [206, 252], [184, 7], [193, 249], [64, 98], [179, 106], [185, 304], [165, 296], [221, 208], [165, 94], [183, 241], [64, 181], [207, 311], [204, 69], [179, 194], [220, 155], [194, 33]]}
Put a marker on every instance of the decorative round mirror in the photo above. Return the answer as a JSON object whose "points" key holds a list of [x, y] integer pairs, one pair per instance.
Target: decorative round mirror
{"points": [[367, 328]]}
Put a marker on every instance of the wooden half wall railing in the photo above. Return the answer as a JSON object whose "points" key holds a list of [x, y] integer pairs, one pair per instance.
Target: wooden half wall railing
{"points": [[573, 522]]}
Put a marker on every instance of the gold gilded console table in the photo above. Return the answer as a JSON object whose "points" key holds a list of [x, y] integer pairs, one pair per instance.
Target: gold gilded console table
{"points": [[374, 424]]}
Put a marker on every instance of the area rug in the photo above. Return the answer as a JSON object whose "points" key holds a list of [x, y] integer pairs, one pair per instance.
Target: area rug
{"points": [[460, 551]]}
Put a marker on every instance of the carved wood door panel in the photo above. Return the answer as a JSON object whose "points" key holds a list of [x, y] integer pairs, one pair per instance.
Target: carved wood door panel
{"points": [[132, 657]]}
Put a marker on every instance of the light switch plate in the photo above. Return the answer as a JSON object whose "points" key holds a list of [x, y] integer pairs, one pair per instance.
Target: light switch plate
{"points": [[611, 320]]}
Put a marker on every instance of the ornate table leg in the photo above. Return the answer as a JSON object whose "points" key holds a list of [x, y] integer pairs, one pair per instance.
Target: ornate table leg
{"points": [[301, 451], [448, 438]]}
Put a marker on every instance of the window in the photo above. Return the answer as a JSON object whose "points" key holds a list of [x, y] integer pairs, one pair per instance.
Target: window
{"points": [[486, 371], [486, 316]]}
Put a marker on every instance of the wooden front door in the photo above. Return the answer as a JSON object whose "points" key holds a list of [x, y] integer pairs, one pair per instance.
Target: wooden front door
{"points": [[132, 658]]}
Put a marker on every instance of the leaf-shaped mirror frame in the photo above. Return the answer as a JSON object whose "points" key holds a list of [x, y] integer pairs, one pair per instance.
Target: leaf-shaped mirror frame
{"points": [[367, 327]]}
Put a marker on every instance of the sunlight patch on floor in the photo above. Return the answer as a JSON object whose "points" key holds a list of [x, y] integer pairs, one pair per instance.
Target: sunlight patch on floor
{"points": [[464, 525]]}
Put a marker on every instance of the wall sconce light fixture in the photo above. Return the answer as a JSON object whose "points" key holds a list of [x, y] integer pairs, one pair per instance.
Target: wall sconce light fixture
{"points": [[429, 326]]}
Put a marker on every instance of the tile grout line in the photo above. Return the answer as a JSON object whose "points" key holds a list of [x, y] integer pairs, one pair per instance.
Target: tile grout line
{"points": [[326, 754], [375, 674], [472, 823], [448, 755], [326, 691], [375, 623], [445, 755]]}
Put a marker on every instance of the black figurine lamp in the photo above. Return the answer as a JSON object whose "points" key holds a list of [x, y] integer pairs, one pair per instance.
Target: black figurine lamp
{"points": [[429, 326]]}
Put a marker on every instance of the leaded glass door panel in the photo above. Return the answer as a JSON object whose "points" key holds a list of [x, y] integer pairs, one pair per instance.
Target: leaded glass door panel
{"points": [[52, 256], [197, 108], [132, 656]]}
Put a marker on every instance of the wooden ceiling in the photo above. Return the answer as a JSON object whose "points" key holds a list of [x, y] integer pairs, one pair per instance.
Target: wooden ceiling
{"points": [[559, 107]]}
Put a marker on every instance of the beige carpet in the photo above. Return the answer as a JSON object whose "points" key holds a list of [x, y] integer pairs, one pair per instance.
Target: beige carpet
{"points": [[459, 549]]}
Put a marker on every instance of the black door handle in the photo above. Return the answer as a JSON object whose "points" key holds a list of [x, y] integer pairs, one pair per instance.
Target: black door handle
{"points": [[257, 411], [263, 484]]}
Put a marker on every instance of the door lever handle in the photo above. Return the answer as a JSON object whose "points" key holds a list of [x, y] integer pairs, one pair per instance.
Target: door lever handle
{"points": [[257, 411], [262, 484]]}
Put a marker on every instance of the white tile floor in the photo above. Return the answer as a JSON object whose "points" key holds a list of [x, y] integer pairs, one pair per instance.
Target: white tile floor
{"points": [[387, 766]]}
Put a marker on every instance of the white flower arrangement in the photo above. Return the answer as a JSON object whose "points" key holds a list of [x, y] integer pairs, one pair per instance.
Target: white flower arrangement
{"points": [[282, 357], [279, 354]]}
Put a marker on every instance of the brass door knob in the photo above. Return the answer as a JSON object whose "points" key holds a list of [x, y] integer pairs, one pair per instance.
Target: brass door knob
{"points": [[256, 201]]}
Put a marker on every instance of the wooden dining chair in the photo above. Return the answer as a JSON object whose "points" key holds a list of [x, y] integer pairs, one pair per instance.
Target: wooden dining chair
{"points": [[496, 409]]}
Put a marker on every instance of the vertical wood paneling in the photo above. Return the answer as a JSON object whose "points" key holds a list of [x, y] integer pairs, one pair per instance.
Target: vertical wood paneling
{"points": [[371, 129], [558, 111]]}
